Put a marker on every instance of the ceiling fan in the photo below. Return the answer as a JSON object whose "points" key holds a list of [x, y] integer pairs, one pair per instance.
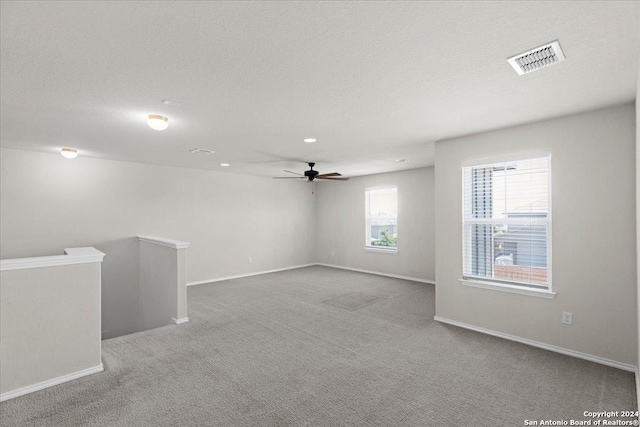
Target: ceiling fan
{"points": [[311, 175]]}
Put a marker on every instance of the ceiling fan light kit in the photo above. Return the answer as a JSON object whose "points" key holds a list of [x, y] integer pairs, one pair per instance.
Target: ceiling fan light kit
{"points": [[311, 175]]}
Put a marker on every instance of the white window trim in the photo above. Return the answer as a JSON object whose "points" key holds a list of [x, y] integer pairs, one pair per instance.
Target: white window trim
{"points": [[381, 249], [505, 287], [367, 247], [514, 287]]}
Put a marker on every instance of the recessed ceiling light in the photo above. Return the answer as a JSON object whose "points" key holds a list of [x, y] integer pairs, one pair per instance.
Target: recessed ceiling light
{"points": [[157, 122], [401, 160], [225, 164], [310, 140], [69, 153]]}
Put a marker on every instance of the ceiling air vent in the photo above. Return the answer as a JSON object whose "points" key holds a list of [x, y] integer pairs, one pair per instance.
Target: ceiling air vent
{"points": [[537, 58], [200, 151]]}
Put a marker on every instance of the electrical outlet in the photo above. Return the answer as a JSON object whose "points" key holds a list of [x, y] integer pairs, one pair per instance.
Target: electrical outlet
{"points": [[250, 260], [567, 318], [333, 253]]}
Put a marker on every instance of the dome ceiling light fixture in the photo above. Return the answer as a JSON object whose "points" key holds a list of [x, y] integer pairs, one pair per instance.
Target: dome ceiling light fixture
{"points": [[69, 153], [157, 122]]}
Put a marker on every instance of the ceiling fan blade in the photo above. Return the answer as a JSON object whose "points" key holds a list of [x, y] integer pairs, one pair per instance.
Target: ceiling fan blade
{"points": [[295, 173], [332, 179], [289, 177], [329, 174]]}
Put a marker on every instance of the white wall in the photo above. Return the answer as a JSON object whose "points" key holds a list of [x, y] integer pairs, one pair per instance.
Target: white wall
{"points": [[341, 224], [162, 284], [49, 326], [593, 261], [638, 221], [48, 203]]}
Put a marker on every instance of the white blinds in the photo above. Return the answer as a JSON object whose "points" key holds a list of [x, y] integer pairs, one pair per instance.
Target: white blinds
{"points": [[506, 222], [382, 202]]}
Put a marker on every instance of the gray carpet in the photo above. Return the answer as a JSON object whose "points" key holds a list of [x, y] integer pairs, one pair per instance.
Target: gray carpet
{"points": [[322, 347]]}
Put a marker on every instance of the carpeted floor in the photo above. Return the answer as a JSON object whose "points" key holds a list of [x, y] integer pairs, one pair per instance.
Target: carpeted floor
{"points": [[322, 347]]}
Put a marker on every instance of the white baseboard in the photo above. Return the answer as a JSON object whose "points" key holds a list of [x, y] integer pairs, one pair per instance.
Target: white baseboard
{"points": [[377, 273], [239, 276], [395, 276], [180, 320], [579, 355], [50, 383]]}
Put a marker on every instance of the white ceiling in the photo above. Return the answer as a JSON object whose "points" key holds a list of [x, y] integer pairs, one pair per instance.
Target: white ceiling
{"points": [[372, 81]]}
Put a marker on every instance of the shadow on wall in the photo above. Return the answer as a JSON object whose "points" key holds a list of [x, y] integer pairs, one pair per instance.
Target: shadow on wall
{"points": [[120, 293]]}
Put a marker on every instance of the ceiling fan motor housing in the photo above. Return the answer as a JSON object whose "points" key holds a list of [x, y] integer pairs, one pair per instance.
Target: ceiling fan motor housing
{"points": [[311, 174]]}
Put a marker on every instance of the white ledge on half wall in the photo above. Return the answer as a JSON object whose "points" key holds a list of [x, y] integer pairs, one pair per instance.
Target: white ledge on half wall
{"points": [[72, 256], [175, 244]]}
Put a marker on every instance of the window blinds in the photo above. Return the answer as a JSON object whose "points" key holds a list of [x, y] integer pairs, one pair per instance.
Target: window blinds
{"points": [[507, 222]]}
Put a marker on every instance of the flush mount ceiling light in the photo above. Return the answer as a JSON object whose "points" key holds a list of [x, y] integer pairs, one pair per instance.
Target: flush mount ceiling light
{"points": [[225, 164], [157, 122], [535, 59], [401, 160], [69, 153], [310, 140]]}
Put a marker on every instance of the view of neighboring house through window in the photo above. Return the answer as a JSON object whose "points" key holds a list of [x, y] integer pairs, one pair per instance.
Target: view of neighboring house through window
{"points": [[382, 218], [507, 222]]}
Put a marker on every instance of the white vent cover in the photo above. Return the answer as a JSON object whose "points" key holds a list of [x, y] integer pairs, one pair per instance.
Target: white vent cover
{"points": [[537, 58], [171, 103], [201, 151]]}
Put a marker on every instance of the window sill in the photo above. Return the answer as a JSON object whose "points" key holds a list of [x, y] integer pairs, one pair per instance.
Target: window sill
{"points": [[380, 250], [522, 290]]}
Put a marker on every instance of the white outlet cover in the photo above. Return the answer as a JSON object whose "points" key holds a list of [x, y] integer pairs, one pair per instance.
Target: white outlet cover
{"points": [[567, 318]]}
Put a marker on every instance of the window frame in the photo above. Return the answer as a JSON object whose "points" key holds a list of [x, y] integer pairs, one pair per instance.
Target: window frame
{"points": [[502, 284], [367, 233]]}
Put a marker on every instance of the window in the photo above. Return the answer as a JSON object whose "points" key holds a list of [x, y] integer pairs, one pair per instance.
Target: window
{"points": [[381, 210], [507, 222]]}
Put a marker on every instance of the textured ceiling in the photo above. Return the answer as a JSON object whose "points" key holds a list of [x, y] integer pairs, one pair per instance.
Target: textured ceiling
{"points": [[372, 81]]}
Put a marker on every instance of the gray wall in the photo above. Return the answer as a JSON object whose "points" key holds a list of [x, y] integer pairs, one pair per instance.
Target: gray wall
{"points": [[593, 243], [48, 203], [341, 224]]}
